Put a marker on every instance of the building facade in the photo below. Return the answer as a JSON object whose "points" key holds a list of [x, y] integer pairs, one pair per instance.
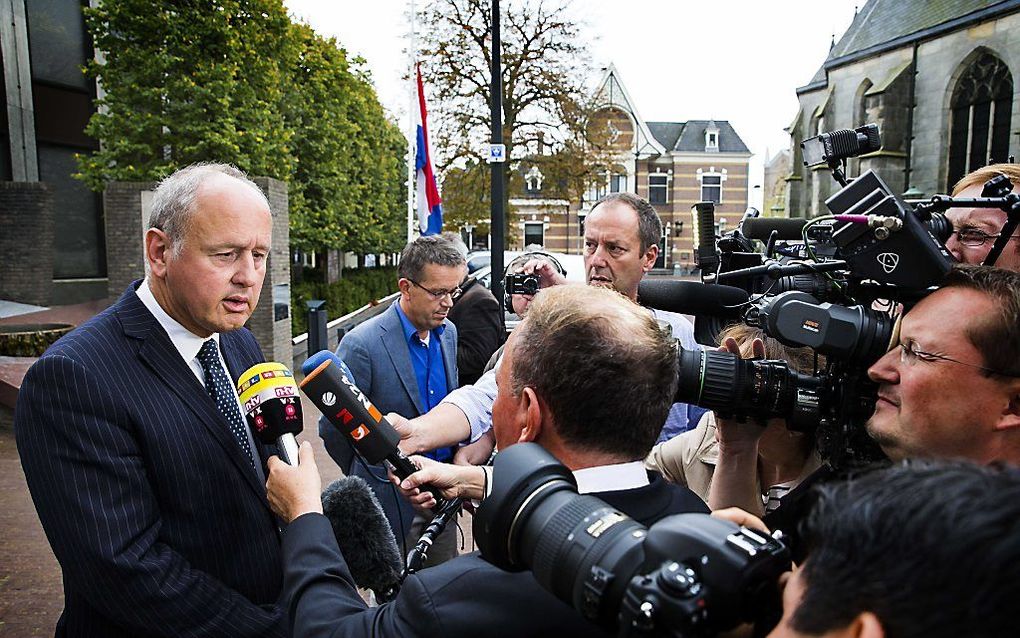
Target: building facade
{"points": [[939, 78], [672, 164], [47, 104]]}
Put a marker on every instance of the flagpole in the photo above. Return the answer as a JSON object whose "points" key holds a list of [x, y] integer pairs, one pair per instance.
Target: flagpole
{"points": [[412, 133]]}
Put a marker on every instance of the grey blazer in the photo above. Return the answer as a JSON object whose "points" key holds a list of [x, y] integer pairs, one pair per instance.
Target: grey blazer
{"points": [[378, 357]]}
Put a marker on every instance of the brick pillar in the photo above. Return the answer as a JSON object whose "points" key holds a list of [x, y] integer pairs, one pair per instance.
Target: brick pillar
{"points": [[271, 320], [26, 242], [126, 206]]}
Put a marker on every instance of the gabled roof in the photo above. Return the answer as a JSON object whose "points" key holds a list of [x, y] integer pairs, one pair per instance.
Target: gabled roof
{"points": [[886, 24], [611, 92], [689, 137]]}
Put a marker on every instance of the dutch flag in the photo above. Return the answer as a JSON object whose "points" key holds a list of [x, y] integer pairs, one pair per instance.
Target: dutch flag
{"points": [[430, 210]]}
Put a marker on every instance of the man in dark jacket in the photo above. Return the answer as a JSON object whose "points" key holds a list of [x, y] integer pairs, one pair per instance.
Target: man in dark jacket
{"points": [[589, 376]]}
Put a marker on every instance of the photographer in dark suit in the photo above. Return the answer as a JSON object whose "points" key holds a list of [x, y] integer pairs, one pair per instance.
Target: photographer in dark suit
{"points": [[145, 476], [588, 375]]}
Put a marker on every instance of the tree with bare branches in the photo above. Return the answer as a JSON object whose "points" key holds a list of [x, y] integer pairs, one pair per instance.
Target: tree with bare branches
{"points": [[545, 65]]}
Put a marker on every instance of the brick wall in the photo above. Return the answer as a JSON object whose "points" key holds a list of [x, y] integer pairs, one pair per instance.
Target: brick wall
{"points": [[271, 320], [125, 232], [26, 242]]}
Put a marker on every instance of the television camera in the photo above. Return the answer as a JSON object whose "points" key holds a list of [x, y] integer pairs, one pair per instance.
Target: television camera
{"points": [[838, 290]]}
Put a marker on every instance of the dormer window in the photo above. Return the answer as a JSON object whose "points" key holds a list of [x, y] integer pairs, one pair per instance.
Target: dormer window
{"points": [[533, 179], [711, 137]]}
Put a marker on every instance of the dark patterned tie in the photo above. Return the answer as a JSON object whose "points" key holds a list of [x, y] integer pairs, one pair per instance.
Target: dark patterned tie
{"points": [[222, 392]]}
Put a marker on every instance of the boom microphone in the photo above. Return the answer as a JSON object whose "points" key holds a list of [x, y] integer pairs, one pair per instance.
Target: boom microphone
{"points": [[761, 228], [333, 392], [692, 297], [270, 399], [363, 535]]}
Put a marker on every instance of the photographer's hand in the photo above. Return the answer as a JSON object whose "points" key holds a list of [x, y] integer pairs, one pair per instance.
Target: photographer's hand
{"points": [[547, 274], [735, 481]]}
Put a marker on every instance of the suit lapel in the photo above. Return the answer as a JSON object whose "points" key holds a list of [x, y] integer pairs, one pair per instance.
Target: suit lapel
{"points": [[392, 336], [450, 356], [160, 355]]}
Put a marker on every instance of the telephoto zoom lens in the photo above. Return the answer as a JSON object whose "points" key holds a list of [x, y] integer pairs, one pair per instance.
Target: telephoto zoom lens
{"points": [[534, 519], [748, 388]]}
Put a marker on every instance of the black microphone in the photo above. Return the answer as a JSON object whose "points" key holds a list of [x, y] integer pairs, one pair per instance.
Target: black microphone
{"points": [[363, 535], [272, 406], [333, 392], [692, 297], [761, 228], [706, 254]]}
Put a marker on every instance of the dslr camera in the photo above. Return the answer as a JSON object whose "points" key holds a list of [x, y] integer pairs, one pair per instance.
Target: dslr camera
{"points": [[687, 575]]}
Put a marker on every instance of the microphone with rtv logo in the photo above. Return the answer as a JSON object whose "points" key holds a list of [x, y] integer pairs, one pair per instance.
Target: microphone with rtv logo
{"points": [[272, 406], [330, 387]]}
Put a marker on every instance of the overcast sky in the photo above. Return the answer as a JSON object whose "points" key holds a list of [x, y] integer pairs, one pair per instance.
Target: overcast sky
{"points": [[736, 60]]}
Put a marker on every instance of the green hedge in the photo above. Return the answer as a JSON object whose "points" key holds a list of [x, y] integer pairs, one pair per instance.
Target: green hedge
{"points": [[354, 290]]}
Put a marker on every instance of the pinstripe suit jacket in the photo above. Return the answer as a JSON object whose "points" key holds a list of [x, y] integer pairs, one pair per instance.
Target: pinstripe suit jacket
{"points": [[159, 522]]}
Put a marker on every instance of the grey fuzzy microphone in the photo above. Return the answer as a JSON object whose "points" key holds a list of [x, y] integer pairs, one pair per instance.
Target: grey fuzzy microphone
{"points": [[363, 534]]}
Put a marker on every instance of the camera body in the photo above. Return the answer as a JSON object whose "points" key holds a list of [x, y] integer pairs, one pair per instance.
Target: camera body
{"points": [[687, 575], [521, 284]]}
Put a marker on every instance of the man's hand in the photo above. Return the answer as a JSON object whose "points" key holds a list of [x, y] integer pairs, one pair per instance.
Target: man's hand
{"points": [[452, 481], [547, 274], [731, 434], [742, 518], [410, 433], [293, 491]]}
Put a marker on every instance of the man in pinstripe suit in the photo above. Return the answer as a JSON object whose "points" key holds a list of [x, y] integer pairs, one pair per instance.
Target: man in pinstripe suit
{"points": [[146, 479]]}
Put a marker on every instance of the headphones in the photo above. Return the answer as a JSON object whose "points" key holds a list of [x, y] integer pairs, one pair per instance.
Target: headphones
{"points": [[522, 259]]}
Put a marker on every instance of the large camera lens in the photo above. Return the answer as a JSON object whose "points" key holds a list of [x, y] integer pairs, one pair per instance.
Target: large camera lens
{"points": [[688, 575], [748, 388], [534, 519]]}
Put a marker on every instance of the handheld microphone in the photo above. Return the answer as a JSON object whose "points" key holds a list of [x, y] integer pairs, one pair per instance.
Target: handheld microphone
{"points": [[692, 297], [761, 228], [272, 406], [363, 535], [706, 255], [333, 392]]}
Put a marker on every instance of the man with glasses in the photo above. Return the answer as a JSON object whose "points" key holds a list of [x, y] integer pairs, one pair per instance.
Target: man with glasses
{"points": [[952, 387], [405, 360], [977, 228]]}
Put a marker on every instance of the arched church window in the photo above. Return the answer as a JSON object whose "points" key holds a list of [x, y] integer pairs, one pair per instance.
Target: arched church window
{"points": [[980, 117]]}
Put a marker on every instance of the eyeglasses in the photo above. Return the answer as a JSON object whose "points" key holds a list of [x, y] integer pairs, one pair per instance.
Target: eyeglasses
{"points": [[910, 354], [974, 237], [436, 295]]}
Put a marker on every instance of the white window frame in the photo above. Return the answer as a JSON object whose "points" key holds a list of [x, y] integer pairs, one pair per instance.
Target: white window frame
{"points": [[541, 227], [667, 178], [711, 172]]}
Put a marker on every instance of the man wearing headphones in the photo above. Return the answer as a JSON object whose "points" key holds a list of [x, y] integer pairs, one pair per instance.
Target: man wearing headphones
{"points": [[621, 236]]}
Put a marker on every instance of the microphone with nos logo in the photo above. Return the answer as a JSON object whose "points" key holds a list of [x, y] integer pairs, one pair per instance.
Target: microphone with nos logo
{"points": [[272, 406], [330, 387]]}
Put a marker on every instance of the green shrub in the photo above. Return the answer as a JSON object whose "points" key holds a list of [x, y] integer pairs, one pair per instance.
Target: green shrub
{"points": [[354, 290]]}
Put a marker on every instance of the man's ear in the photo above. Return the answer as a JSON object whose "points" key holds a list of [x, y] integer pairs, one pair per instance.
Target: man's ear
{"points": [[404, 285], [650, 256], [866, 625], [533, 414], [157, 250], [1010, 417]]}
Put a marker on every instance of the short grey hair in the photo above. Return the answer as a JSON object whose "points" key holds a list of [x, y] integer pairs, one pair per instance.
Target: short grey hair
{"points": [[455, 239], [428, 249], [649, 223], [173, 201]]}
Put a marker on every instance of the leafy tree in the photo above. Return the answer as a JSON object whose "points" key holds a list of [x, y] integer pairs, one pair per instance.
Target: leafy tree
{"points": [[184, 82]]}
